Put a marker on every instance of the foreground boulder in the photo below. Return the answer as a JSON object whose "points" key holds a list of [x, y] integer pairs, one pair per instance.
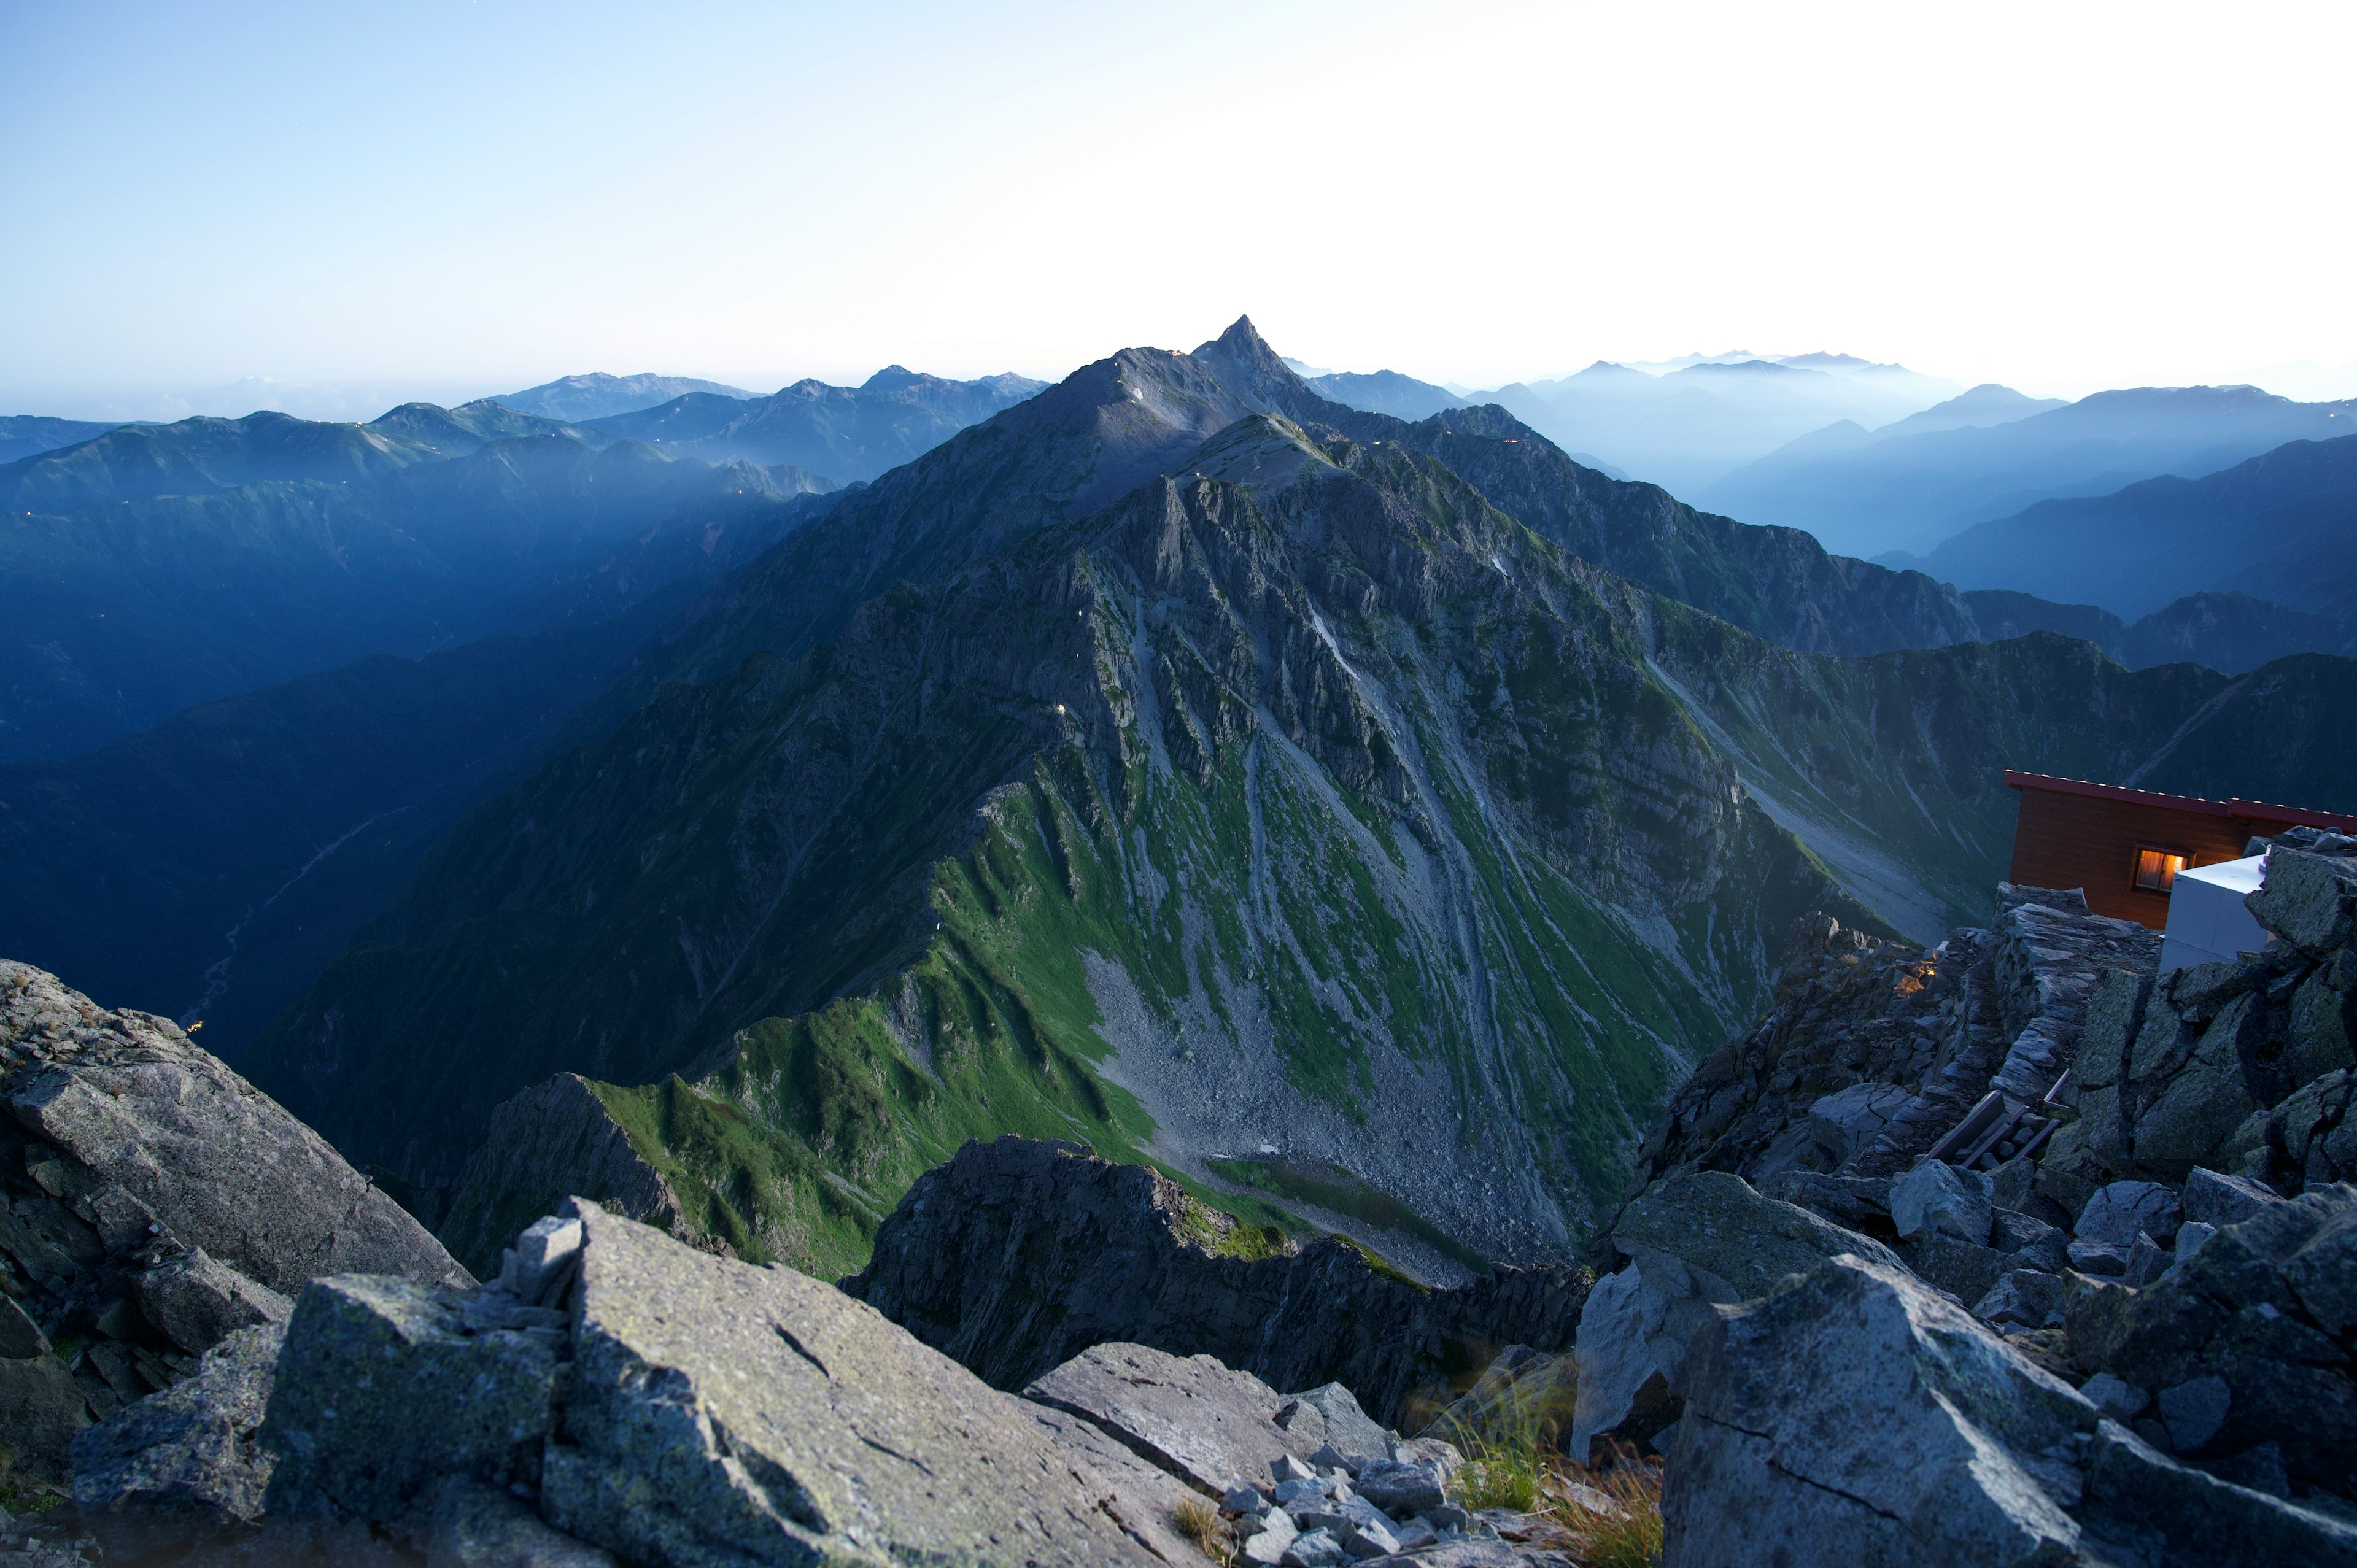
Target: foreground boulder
{"points": [[1859, 1416], [156, 1203], [1021, 1253], [1695, 1242], [650, 1402], [1206, 1424]]}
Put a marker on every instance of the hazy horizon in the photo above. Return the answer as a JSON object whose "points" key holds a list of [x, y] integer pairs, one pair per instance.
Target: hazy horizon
{"points": [[455, 201]]}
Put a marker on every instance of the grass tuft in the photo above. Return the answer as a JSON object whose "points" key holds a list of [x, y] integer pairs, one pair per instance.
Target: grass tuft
{"points": [[1507, 1460], [1199, 1522], [23, 1495], [1629, 1537]]}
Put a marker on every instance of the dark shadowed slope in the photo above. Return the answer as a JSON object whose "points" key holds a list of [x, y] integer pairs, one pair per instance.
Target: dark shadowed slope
{"points": [[208, 867], [115, 615]]}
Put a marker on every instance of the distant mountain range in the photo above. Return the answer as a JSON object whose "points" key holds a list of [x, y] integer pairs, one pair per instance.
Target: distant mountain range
{"points": [[134, 461], [2281, 526], [598, 395], [2230, 632], [1868, 494], [22, 435], [1382, 392], [845, 433], [1688, 427]]}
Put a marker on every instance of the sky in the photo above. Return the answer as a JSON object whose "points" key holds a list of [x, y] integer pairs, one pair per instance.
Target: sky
{"points": [[446, 199]]}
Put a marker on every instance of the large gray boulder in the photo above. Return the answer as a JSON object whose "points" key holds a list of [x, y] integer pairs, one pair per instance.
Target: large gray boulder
{"points": [[1696, 1241], [1191, 1416], [2247, 1342], [184, 1466], [1736, 1244], [1938, 1198], [386, 1389], [721, 1413], [1859, 1417], [2308, 899]]}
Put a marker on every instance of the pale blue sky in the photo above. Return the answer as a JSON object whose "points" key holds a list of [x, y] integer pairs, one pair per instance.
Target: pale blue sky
{"points": [[450, 198]]}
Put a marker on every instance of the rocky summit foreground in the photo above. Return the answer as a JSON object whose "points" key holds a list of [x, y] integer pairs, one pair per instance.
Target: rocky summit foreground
{"points": [[152, 1203], [619, 1396], [2013, 1252]]}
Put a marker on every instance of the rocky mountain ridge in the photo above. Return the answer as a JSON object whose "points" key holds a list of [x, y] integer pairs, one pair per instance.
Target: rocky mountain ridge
{"points": [[1111, 705], [1289, 628]]}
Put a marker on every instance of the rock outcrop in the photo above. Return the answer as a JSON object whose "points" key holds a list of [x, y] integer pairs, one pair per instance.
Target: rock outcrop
{"points": [[1019, 1254], [2144, 1191], [1872, 1050], [1695, 1242], [155, 1204], [1859, 1416], [679, 1409], [618, 1397]]}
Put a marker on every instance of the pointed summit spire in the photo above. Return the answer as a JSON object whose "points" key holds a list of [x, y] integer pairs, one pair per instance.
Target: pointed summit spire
{"points": [[1242, 342]]}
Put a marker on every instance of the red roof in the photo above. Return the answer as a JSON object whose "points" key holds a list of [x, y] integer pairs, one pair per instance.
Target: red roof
{"points": [[2238, 809]]}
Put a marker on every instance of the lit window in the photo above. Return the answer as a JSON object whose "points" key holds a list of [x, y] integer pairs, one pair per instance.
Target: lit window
{"points": [[2157, 869]]}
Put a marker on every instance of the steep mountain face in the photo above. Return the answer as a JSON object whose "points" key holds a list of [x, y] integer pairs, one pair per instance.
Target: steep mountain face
{"points": [[2232, 632], [1891, 769], [600, 396], [1910, 492], [1305, 821], [26, 435], [1301, 810], [845, 433], [1077, 446], [119, 615], [1775, 582], [1251, 897], [2281, 527]]}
